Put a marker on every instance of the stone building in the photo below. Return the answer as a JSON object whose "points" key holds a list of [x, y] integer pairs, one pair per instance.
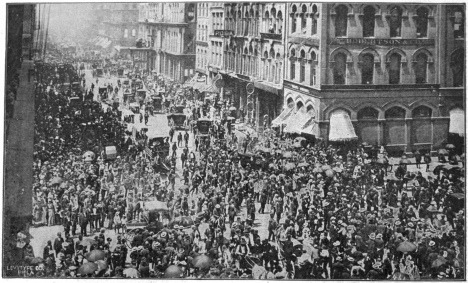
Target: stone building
{"points": [[386, 74]]}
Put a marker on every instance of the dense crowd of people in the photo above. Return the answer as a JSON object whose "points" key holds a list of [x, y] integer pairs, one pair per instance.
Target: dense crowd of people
{"points": [[331, 213]]}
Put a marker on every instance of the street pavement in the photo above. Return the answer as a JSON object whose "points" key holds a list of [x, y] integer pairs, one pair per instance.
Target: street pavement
{"points": [[158, 123]]}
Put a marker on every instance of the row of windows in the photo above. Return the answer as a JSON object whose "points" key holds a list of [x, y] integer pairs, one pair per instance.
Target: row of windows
{"points": [[216, 53], [300, 21], [126, 33], [217, 21], [201, 58], [394, 68], [202, 10], [301, 60], [202, 32], [172, 41], [369, 21], [266, 69]]}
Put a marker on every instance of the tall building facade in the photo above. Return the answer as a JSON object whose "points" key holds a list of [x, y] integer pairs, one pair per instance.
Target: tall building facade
{"points": [[254, 59], [169, 29], [386, 74]]}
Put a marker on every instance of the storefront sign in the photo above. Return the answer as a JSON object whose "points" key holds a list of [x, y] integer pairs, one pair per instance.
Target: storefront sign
{"points": [[223, 32], [378, 41]]}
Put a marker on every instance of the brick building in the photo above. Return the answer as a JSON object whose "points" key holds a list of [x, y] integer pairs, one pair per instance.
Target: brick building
{"points": [[385, 74]]}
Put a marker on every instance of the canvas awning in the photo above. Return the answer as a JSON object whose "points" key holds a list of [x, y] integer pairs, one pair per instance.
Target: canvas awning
{"points": [[341, 128], [457, 122], [297, 121], [281, 117], [310, 128]]}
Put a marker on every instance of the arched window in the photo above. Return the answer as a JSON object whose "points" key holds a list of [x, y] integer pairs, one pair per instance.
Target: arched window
{"points": [[395, 113], [266, 21], [458, 67], [304, 19], [279, 23], [293, 19], [367, 69], [314, 19], [313, 58], [421, 22], [420, 69], [394, 68], [266, 63], [368, 113], [302, 69], [290, 102], [395, 22], [339, 70], [368, 22], [341, 21], [459, 23], [292, 66], [299, 105], [422, 112]]}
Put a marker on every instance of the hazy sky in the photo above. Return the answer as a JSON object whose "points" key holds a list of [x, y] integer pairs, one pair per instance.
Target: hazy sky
{"points": [[70, 21]]}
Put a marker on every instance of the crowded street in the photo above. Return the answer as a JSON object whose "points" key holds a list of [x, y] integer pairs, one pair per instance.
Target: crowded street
{"points": [[138, 173]]}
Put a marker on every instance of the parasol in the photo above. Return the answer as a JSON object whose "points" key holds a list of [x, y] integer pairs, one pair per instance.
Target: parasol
{"points": [[298, 139], [443, 151], [317, 170], [449, 146], [329, 173], [88, 268], [406, 247], [303, 164], [326, 167], [258, 272], [337, 169], [185, 221], [287, 154], [56, 181], [202, 261], [156, 205], [173, 271], [381, 161], [95, 255], [438, 262], [131, 273], [289, 166], [88, 242]]}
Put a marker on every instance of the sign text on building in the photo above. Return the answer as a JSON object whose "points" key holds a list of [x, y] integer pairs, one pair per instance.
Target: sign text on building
{"points": [[380, 41], [223, 32]]}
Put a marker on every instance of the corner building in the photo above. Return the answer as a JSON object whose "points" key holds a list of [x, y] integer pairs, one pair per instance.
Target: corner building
{"points": [[386, 74]]}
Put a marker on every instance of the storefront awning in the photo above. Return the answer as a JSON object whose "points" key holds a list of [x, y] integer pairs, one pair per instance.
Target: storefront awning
{"points": [[310, 128], [297, 121], [284, 115], [457, 122], [210, 88], [341, 128]]}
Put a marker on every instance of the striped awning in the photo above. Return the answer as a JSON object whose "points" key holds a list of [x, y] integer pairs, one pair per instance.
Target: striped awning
{"points": [[281, 117], [341, 127], [457, 122], [297, 121]]}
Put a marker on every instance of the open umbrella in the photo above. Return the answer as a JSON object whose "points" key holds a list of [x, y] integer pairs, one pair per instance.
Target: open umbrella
{"points": [[443, 151], [88, 242], [56, 181], [329, 173], [406, 247], [317, 170], [303, 164], [95, 255], [102, 265], [326, 167], [289, 166], [449, 146], [202, 261], [173, 271], [131, 273], [258, 272], [156, 205], [287, 154], [87, 268], [438, 262], [381, 161], [337, 169]]}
